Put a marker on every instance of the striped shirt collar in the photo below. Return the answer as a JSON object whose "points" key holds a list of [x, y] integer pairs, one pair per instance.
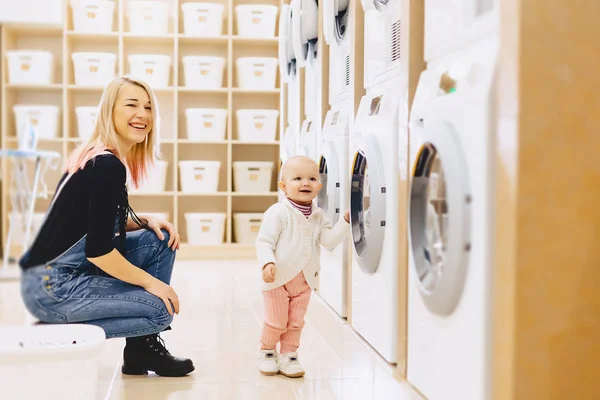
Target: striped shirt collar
{"points": [[305, 210]]}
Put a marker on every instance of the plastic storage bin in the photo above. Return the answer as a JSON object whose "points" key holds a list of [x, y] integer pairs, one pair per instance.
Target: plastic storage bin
{"points": [[50, 361], [30, 67], [43, 119], [252, 176], [86, 120], [256, 20], [148, 17], [156, 180], [155, 70], [206, 124], [257, 125], [94, 69], [246, 227], [93, 16], [205, 229], [203, 19], [203, 72], [256, 72], [199, 176]]}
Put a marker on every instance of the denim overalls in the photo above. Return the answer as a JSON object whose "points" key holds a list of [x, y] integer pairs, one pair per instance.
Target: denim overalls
{"points": [[70, 289]]}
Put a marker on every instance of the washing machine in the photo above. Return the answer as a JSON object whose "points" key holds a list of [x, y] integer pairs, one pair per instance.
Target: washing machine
{"points": [[451, 206], [334, 200], [332, 145], [374, 186], [305, 33], [337, 31], [289, 75]]}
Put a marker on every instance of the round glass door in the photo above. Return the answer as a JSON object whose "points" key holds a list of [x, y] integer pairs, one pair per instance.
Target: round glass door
{"points": [[287, 60], [433, 244], [368, 206], [328, 198], [439, 217], [341, 20]]}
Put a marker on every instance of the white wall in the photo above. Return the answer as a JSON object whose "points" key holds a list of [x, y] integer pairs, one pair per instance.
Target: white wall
{"points": [[31, 11]]}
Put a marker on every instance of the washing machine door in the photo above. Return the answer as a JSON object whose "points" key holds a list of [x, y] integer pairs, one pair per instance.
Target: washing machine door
{"points": [[368, 204], [335, 20], [305, 28], [440, 216], [329, 171], [287, 59]]}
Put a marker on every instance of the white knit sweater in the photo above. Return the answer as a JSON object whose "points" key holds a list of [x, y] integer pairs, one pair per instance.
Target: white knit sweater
{"points": [[292, 242]]}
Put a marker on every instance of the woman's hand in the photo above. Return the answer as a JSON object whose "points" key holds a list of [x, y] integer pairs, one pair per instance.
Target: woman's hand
{"points": [[165, 293], [347, 216], [157, 224], [269, 273]]}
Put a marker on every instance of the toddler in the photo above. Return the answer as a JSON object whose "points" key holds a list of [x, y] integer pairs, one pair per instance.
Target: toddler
{"points": [[288, 249]]}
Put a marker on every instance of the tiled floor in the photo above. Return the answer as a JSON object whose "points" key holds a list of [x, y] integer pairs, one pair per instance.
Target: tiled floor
{"points": [[218, 327]]}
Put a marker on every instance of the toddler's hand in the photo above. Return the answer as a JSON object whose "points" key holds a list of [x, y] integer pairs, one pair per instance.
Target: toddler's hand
{"points": [[269, 273], [347, 216]]}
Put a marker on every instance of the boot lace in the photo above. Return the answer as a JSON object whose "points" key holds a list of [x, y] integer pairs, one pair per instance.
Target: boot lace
{"points": [[158, 344]]}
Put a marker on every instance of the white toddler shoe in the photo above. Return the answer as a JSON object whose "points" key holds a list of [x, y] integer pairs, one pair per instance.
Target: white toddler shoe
{"points": [[267, 362], [290, 366]]}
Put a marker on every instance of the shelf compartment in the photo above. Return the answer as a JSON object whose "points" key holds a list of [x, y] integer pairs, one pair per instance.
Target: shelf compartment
{"points": [[22, 40], [148, 204], [181, 14], [196, 100], [189, 204], [206, 152], [28, 97], [203, 49]]}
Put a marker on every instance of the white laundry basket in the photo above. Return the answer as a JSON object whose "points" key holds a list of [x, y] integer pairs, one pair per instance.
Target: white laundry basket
{"points": [[94, 69], [256, 20], [43, 119], [206, 124], [252, 176], [156, 179], [257, 125], [30, 67], [205, 229], [202, 72], [246, 227], [148, 17], [93, 16], [86, 120], [50, 361], [199, 176], [153, 69], [203, 19], [256, 72]]}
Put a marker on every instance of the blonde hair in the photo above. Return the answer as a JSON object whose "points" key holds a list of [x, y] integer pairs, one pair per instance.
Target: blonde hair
{"points": [[105, 137]]}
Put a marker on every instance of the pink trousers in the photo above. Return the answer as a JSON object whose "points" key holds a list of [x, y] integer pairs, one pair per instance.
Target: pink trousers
{"points": [[285, 308]]}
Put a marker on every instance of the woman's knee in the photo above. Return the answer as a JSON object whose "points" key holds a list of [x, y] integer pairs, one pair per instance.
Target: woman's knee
{"points": [[162, 245], [161, 318]]}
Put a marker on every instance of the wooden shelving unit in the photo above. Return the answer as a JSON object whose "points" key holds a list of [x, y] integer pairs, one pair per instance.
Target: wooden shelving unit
{"points": [[173, 100]]}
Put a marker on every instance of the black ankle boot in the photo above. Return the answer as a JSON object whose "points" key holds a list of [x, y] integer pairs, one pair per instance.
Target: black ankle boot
{"points": [[148, 353]]}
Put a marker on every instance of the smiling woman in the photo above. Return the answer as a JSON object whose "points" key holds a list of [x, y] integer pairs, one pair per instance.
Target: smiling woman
{"points": [[84, 266]]}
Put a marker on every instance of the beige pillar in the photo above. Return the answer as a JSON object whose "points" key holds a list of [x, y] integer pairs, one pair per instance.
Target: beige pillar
{"points": [[547, 319]]}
